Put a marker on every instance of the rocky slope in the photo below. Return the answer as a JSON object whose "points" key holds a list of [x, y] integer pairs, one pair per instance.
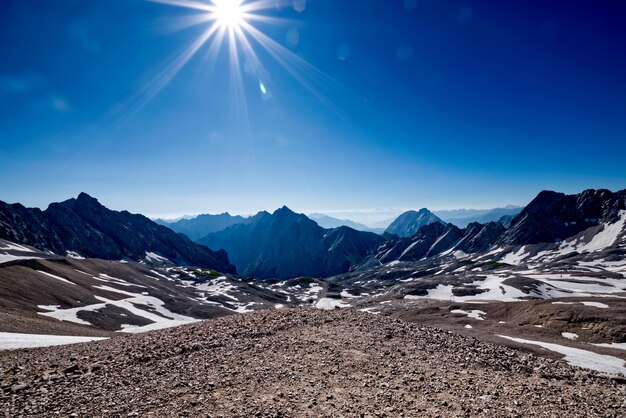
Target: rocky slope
{"points": [[48, 294], [285, 245], [85, 227], [553, 216], [299, 363], [408, 223], [435, 239]]}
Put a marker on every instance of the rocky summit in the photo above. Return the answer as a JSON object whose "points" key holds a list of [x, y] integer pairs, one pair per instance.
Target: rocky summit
{"points": [[299, 363], [86, 228]]}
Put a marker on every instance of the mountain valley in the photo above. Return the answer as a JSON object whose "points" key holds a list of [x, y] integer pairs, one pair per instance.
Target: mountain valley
{"points": [[550, 286]]}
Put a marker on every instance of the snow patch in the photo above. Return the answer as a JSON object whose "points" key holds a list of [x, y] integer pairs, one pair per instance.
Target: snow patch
{"points": [[580, 358], [330, 304], [475, 314], [55, 277], [13, 341]]}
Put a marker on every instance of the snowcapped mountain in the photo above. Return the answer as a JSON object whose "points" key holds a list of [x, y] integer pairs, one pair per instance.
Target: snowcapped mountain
{"points": [[84, 227], [408, 223]]}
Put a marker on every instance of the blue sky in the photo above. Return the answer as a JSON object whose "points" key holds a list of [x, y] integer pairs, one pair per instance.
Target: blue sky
{"points": [[442, 104]]}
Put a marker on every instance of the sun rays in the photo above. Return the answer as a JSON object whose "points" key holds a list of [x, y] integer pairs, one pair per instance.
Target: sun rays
{"points": [[234, 25]]}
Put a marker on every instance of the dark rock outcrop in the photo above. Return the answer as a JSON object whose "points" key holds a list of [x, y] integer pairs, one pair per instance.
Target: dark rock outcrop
{"points": [[553, 216]]}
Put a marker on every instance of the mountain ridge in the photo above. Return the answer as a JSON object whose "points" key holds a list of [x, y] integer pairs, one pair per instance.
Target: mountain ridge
{"points": [[286, 244], [84, 226]]}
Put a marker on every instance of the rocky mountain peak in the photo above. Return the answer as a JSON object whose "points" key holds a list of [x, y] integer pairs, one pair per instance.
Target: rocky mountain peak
{"points": [[408, 223]]}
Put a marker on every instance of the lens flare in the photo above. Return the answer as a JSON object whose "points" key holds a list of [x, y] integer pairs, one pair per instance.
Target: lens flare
{"points": [[233, 24]]}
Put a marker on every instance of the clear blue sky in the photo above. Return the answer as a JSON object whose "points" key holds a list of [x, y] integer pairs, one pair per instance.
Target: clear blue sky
{"points": [[430, 103]]}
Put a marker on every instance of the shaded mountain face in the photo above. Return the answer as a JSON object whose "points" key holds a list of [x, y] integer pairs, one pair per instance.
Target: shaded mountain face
{"points": [[463, 217], [407, 224], [202, 225], [506, 220], [285, 245], [436, 238], [552, 217], [86, 227]]}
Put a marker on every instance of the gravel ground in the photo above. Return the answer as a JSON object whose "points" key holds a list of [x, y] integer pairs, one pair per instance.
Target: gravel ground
{"points": [[299, 363]]}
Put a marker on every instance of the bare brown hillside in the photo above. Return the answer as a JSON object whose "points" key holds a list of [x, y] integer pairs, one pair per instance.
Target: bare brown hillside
{"points": [[299, 362]]}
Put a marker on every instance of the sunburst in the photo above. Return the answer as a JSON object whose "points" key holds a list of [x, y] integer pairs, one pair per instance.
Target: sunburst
{"points": [[233, 24]]}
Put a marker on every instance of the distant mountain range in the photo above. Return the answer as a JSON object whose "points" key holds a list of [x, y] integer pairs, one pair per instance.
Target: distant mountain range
{"points": [[85, 227], [330, 222], [202, 225], [463, 217], [285, 244]]}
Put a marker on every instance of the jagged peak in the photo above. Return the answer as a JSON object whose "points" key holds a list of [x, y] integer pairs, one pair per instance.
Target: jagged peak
{"points": [[284, 211], [85, 198]]}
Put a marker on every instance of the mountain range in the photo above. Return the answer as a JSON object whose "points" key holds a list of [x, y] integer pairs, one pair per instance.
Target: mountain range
{"points": [[285, 244], [78, 268], [202, 225], [85, 228], [463, 217], [330, 222]]}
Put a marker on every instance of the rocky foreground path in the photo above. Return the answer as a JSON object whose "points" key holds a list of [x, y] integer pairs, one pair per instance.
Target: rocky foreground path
{"points": [[299, 363]]}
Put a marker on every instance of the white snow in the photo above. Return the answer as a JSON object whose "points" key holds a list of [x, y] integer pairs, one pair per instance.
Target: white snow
{"points": [[12, 341], [55, 277], [593, 304], [5, 258], [166, 319], [468, 326], [347, 295], [569, 335], [459, 254], [108, 279], [11, 246], [330, 304], [580, 358], [217, 287], [602, 239], [478, 315], [370, 310], [618, 346], [516, 257], [154, 257], [75, 255]]}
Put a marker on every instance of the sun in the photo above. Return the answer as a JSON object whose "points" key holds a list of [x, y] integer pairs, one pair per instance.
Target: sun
{"points": [[229, 13], [233, 24]]}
